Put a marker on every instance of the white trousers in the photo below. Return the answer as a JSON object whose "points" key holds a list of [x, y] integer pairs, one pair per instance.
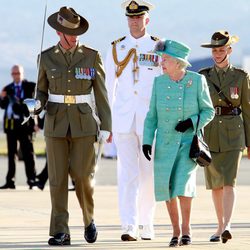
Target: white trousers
{"points": [[135, 181]]}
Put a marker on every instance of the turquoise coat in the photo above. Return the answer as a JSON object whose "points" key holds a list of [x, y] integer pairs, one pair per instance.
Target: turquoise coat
{"points": [[171, 102]]}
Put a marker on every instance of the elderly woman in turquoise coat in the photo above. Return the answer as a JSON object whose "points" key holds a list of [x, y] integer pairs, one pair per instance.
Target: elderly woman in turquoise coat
{"points": [[178, 97]]}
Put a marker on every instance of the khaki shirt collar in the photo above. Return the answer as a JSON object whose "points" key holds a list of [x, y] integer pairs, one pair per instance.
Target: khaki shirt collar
{"points": [[225, 69], [72, 50]]}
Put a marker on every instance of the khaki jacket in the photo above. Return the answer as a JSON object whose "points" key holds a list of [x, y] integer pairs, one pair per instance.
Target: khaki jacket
{"points": [[228, 132], [57, 77]]}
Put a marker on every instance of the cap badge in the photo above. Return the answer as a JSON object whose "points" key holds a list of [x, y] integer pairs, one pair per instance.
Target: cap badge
{"points": [[133, 6]]}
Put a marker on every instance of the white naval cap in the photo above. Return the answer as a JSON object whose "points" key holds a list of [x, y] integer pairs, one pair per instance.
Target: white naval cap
{"points": [[136, 7]]}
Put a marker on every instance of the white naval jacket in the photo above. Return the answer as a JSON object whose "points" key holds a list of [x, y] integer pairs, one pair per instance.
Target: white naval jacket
{"points": [[128, 99]]}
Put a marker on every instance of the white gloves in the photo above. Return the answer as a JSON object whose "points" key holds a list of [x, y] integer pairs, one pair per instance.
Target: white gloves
{"points": [[103, 136], [37, 105]]}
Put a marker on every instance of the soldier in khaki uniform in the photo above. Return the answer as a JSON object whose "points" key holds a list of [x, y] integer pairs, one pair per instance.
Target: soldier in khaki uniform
{"points": [[229, 132], [68, 73]]}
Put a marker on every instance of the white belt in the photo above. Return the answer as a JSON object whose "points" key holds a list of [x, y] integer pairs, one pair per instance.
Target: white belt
{"points": [[70, 99], [76, 99]]}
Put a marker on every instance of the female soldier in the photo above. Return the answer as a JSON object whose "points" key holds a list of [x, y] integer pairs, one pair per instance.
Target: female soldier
{"points": [[228, 133], [178, 98]]}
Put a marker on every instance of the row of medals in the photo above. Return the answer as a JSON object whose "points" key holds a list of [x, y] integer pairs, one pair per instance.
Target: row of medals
{"points": [[85, 73]]}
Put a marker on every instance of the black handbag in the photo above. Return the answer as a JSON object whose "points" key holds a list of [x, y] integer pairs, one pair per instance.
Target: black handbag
{"points": [[199, 150]]}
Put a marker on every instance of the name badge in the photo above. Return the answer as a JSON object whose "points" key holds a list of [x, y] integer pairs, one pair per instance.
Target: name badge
{"points": [[150, 60], [85, 73]]}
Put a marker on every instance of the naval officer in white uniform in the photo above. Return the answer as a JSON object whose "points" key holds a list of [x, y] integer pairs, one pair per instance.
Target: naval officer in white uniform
{"points": [[131, 67]]}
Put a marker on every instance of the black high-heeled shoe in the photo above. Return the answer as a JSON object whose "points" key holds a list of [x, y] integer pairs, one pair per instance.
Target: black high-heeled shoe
{"points": [[225, 236], [185, 240], [174, 242], [214, 238]]}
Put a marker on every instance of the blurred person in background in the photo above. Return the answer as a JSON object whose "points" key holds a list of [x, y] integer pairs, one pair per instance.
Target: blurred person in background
{"points": [[11, 100]]}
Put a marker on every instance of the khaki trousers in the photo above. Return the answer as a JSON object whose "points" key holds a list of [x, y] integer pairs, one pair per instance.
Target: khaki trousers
{"points": [[77, 157]]}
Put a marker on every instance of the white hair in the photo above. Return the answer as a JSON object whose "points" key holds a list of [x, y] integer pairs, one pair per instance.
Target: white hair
{"points": [[182, 64]]}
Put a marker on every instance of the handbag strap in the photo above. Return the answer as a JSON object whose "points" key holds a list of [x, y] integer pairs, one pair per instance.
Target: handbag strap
{"points": [[197, 125]]}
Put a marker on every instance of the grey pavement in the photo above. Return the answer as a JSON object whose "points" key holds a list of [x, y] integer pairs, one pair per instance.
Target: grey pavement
{"points": [[25, 214]]}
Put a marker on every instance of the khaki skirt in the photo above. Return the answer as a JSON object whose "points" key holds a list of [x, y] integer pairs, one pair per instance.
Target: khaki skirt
{"points": [[223, 169]]}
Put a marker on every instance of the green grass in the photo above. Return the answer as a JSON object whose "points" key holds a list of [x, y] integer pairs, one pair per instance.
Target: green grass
{"points": [[38, 142]]}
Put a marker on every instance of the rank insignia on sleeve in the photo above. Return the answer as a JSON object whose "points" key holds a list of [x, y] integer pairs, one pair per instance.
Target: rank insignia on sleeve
{"points": [[85, 73], [234, 92]]}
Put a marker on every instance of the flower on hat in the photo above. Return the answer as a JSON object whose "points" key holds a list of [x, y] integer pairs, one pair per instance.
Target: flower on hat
{"points": [[160, 46]]}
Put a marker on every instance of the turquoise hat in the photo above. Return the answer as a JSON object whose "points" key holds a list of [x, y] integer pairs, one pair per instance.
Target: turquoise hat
{"points": [[173, 48]]}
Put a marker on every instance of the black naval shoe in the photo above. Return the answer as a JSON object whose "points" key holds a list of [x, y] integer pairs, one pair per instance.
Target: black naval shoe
{"points": [[90, 233], [10, 185], [60, 239]]}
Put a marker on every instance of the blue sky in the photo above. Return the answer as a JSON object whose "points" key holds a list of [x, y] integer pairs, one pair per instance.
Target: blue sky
{"points": [[191, 22]]}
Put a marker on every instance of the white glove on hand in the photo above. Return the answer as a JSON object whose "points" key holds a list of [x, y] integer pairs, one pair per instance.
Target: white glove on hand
{"points": [[103, 136], [38, 105]]}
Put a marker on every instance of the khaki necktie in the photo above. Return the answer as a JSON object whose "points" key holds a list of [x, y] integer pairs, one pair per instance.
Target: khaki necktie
{"points": [[68, 57], [221, 75]]}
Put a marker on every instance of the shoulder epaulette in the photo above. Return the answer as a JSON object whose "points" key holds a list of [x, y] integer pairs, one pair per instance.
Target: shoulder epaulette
{"points": [[82, 46], [241, 70], [154, 38], [204, 70], [118, 40], [50, 48]]}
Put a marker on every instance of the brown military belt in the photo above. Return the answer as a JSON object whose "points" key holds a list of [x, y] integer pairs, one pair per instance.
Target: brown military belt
{"points": [[227, 111]]}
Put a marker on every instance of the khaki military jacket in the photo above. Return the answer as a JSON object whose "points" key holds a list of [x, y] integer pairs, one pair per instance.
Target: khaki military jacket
{"points": [[84, 74], [228, 132]]}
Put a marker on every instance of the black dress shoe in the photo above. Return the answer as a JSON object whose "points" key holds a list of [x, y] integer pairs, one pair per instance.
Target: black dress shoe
{"points": [[9, 185], [90, 233], [60, 239], [31, 183], [225, 236], [214, 238], [185, 240], [173, 242], [40, 184]]}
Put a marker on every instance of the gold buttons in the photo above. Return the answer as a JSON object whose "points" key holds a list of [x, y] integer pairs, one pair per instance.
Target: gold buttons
{"points": [[69, 90], [68, 104], [69, 71], [220, 121], [52, 77], [69, 80]]}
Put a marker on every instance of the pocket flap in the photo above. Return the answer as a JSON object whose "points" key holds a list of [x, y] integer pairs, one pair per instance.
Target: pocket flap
{"points": [[84, 108], [52, 108]]}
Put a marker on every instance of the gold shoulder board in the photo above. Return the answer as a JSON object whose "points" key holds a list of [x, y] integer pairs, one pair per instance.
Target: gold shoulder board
{"points": [[154, 38], [118, 40]]}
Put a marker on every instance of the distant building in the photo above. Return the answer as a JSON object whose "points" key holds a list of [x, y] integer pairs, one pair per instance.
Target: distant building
{"points": [[201, 63]]}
